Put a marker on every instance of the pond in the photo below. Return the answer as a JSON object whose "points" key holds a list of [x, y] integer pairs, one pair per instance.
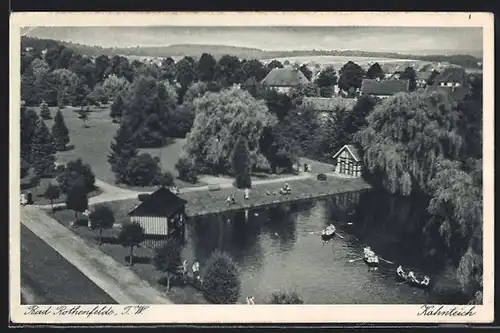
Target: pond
{"points": [[278, 248]]}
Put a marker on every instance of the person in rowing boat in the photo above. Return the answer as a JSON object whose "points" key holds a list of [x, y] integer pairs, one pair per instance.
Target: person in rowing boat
{"points": [[368, 252], [400, 270], [412, 276], [425, 281], [330, 228]]}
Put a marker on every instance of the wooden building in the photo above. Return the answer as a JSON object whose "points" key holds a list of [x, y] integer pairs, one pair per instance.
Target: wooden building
{"points": [[348, 162], [161, 213]]}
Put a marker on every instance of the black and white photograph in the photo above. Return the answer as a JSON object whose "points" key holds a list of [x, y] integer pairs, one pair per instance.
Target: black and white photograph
{"points": [[212, 163]]}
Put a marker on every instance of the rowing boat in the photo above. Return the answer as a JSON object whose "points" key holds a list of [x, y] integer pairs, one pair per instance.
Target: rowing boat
{"points": [[371, 260], [413, 281], [328, 233]]}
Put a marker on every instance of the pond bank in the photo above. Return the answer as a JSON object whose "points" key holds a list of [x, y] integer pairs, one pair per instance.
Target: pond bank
{"points": [[213, 202]]}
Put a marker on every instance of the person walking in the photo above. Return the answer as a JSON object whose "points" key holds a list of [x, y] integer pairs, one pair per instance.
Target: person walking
{"points": [[196, 270], [184, 270]]}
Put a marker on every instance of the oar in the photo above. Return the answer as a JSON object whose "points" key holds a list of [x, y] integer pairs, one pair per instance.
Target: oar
{"points": [[353, 260], [387, 261], [342, 237]]}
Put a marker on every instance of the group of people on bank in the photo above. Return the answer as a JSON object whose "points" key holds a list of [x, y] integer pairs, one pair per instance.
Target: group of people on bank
{"points": [[195, 269]]}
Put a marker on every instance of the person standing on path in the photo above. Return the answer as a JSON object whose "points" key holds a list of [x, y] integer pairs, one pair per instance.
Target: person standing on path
{"points": [[196, 270], [184, 270]]}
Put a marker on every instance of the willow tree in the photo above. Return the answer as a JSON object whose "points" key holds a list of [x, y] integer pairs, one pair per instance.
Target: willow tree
{"points": [[220, 118], [405, 136]]}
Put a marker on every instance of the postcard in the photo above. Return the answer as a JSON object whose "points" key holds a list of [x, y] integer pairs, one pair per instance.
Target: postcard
{"points": [[251, 167]]}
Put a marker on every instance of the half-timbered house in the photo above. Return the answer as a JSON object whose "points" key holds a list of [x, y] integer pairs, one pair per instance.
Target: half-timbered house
{"points": [[348, 162]]}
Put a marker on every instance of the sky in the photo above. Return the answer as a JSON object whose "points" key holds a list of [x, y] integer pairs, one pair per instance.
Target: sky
{"points": [[415, 40]]}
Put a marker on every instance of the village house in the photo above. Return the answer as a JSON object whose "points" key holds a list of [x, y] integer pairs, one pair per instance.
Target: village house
{"points": [[325, 107], [348, 162], [453, 81], [161, 213], [422, 78], [284, 79], [383, 88]]}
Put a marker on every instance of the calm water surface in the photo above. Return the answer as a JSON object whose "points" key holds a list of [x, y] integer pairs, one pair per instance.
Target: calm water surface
{"points": [[276, 248]]}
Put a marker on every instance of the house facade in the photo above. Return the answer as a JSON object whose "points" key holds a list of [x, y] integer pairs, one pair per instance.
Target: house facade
{"points": [[383, 88], [162, 213], [284, 79], [347, 162], [452, 81]]}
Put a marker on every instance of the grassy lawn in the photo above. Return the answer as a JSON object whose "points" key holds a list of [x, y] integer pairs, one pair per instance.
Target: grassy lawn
{"points": [[92, 144], [38, 191], [142, 255]]}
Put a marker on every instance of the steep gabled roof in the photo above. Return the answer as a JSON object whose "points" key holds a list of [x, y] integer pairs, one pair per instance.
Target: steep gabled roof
{"points": [[452, 74], [352, 150], [162, 202], [423, 75], [328, 104], [285, 77], [384, 87]]}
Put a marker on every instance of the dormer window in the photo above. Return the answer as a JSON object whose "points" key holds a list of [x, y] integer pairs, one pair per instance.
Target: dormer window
{"points": [[449, 84], [457, 84], [442, 84]]}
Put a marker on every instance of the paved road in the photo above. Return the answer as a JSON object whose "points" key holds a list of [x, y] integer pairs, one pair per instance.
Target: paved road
{"points": [[48, 278], [118, 281]]}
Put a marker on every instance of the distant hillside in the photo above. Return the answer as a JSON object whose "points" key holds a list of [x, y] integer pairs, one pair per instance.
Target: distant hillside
{"points": [[195, 50]]}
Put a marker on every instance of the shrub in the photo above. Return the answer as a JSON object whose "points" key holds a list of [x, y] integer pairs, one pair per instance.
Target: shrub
{"points": [[142, 196], [321, 177], [282, 297], [131, 235], [142, 170], [242, 164], [221, 282], [45, 111], [165, 179], [116, 121], [52, 192], [167, 259], [187, 170], [101, 218]]}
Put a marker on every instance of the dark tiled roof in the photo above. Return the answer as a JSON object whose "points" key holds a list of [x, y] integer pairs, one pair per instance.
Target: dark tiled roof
{"points": [[423, 75], [352, 150], [162, 202], [384, 87], [285, 77], [328, 104], [452, 74], [457, 93]]}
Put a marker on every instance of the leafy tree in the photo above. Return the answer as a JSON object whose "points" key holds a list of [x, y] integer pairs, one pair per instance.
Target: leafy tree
{"points": [[255, 88], [117, 107], [76, 171], [98, 95], [228, 71], [143, 170], [329, 136], [410, 75], [102, 63], [29, 121], [278, 103], [375, 72], [242, 164], [274, 64], [351, 76], [52, 192], [279, 145], [114, 86], [168, 258], [187, 169], [78, 95], [64, 82], [356, 119], [285, 298], [219, 118], [405, 136], [76, 197], [253, 69], [165, 179], [60, 132], [307, 90], [131, 235], [45, 111], [205, 67], [306, 71], [327, 78], [168, 70], [123, 149], [102, 217], [221, 281], [42, 151], [185, 71]]}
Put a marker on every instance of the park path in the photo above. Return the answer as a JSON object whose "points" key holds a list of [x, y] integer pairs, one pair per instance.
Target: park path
{"points": [[114, 193], [118, 281]]}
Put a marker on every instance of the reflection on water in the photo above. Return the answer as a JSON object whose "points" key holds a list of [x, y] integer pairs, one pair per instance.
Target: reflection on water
{"points": [[278, 248]]}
